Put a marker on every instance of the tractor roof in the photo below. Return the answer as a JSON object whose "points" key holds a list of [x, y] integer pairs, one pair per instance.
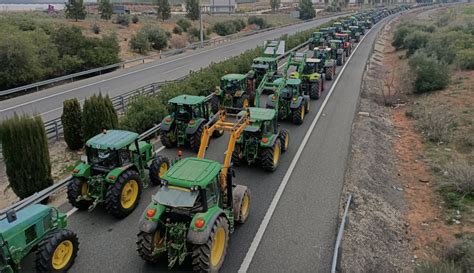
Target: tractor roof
{"points": [[192, 171], [187, 100], [24, 218], [231, 77], [265, 59], [337, 23], [317, 33], [335, 41], [112, 139], [261, 114], [353, 27], [293, 82], [312, 60], [341, 34]]}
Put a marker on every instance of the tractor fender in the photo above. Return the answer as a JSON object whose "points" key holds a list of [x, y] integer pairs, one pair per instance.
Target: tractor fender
{"points": [[295, 104], [114, 174], [82, 170], [270, 102], [237, 196], [165, 125], [150, 224], [200, 236], [191, 129], [314, 77], [340, 51], [218, 92]]}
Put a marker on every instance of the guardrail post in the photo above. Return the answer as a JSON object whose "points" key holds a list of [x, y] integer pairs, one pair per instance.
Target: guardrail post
{"points": [[122, 102], [56, 130]]}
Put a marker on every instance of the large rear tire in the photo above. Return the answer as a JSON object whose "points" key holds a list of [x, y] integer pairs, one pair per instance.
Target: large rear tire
{"points": [[75, 188], [158, 168], [168, 138], [123, 196], [328, 73], [314, 91], [271, 157], [237, 156], [284, 139], [298, 114], [210, 256], [215, 104], [57, 252], [195, 139], [147, 243]]}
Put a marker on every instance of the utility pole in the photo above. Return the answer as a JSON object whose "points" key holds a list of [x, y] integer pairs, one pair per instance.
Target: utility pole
{"points": [[201, 34]]}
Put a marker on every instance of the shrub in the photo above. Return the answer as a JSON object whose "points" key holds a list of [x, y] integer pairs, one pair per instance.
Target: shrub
{"points": [[195, 34], [440, 267], [123, 20], [178, 41], [461, 253], [239, 24], [259, 21], [460, 175], [98, 114], [185, 24], [96, 29], [139, 42], [156, 36], [177, 30], [224, 28], [414, 41], [465, 58], [135, 19], [436, 123], [142, 113], [72, 125], [399, 36], [25, 149], [430, 74]]}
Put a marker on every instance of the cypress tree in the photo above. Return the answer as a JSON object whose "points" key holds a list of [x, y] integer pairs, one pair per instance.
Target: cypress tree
{"points": [[72, 126], [75, 9], [26, 154], [98, 114]]}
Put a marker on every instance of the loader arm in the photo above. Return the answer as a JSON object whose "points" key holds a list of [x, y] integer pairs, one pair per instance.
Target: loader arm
{"points": [[235, 128]]}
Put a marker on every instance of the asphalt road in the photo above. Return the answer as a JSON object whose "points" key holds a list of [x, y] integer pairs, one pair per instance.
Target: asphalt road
{"points": [[48, 102], [301, 232]]}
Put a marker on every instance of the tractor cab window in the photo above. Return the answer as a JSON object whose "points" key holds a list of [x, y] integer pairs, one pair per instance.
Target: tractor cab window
{"points": [[231, 86], [103, 158], [212, 194], [268, 127], [183, 112], [197, 111], [176, 197], [309, 68], [125, 156]]}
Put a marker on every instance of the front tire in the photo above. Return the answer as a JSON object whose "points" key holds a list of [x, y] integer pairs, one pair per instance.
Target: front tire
{"points": [[78, 187], [315, 90], [210, 256], [195, 139], [57, 252], [158, 168], [237, 156], [215, 104], [284, 140], [298, 114], [271, 157], [123, 196]]}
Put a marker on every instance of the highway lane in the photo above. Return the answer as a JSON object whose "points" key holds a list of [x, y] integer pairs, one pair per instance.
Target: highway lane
{"points": [[108, 245], [48, 102]]}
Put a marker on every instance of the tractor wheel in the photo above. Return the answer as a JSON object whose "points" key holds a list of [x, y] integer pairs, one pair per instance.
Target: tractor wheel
{"points": [[271, 157], [315, 91], [237, 155], [241, 203], [57, 252], [122, 197], [311, 46], [340, 60], [209, 257], [75, 188], [149, 242], [298, 114], [158, 168], [217, 133], [195, 139], [214, 104], [168, 138], [328, 73], [284, 140], [242, 102]]}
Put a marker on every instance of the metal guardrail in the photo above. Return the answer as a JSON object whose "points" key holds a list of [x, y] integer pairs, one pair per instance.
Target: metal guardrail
{"points": [[336, 259], [164, 54]]}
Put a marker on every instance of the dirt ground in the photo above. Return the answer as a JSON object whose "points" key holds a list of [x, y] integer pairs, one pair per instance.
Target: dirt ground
{"points": [[398, 219]]}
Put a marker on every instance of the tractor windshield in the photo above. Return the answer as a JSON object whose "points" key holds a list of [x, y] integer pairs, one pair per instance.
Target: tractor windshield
{"points": [[182, 112], [309, 68], [176, 197], [230, 86]]}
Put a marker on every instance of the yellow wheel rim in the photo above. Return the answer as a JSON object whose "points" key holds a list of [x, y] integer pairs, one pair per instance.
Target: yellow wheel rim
{"points": [[84, 188], [302, 112], [287, 141], [276, 155], [246, 103], [62, 255], [245, 205], [129, 194], [218, 245], [163, 169], [158, 240]]}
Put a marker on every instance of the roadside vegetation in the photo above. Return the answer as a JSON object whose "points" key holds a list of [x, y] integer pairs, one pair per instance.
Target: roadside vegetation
{"points": [[440, 57]]}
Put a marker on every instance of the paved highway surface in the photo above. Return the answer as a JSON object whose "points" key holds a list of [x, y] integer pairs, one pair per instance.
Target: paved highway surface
{"points": [[300, 234], [48, 102]]}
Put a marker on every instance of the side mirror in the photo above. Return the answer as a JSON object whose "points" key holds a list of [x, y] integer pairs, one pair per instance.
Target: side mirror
{"points": [[11, 216]]}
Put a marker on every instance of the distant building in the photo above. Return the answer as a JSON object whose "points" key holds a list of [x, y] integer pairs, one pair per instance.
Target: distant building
{"points": [[120, 9], [218, 6]]}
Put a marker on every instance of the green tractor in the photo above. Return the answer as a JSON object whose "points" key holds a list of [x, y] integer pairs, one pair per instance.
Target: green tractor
{"points": [[325, 64], [196, 209], [346, 42], [316, 40], [337, 51], [356, 33], [236, 91], [289, 100], [261, 140], [268, 63], [114, 173], [337, 26], [186, 120], [37, 228]]}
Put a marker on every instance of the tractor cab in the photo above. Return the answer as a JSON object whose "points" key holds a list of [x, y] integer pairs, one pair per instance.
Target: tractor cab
{"points": [[317, 39], [324, 32], [185, 108], [235, 91], [355, 32], [337, 26], [311, 66], [346, 42], [262, 65], [291, 89]]}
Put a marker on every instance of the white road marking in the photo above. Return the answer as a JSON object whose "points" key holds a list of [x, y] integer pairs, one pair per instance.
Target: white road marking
{"points": [[129, 73], [268, 215]]}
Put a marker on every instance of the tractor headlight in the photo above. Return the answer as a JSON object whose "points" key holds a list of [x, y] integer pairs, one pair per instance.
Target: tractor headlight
{"points": [[84, 159]]}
